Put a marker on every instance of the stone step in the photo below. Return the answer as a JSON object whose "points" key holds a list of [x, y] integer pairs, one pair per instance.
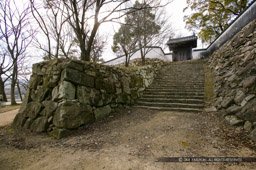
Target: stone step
{"points": [[175, 93], [171, 105], [170, 100], [156, 86], [172, 96], [183, 80], [170, 109], [174, 90]]}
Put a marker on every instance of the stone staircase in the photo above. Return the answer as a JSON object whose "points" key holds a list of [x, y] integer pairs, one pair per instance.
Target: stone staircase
{"points": [[178, 87]]}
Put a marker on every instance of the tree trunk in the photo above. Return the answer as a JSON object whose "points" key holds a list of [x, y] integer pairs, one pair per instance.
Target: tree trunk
{"points": [[18, 87], [142, 55], [14, 78], [2, 91]]}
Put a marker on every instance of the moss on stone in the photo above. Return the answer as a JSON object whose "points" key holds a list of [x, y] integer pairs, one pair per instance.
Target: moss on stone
{"points": [[209, 84]]}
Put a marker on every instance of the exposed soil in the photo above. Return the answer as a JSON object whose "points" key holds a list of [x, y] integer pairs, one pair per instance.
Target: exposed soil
{"points": [[128, 141], [7, 117]]}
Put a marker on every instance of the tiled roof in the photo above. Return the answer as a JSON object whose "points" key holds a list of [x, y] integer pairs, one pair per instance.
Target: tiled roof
{"points": [[182, 39]]}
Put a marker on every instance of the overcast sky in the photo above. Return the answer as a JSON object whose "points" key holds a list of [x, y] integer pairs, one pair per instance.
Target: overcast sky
{"points": [[174, 10]]}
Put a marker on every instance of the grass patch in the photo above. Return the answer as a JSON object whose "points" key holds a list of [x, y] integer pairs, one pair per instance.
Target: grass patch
{"points": [[8, 108], [209, 84]]}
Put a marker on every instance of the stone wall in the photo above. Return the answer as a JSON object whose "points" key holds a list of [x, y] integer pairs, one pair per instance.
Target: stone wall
{"points": [[65, 94], [234, 65]]}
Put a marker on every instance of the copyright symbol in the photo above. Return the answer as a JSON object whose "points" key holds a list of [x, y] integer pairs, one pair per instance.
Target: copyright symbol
{"points": [[180, 160]]}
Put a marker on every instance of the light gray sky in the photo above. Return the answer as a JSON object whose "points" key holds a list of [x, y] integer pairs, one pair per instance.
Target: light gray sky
{"points": [[174, 10]]}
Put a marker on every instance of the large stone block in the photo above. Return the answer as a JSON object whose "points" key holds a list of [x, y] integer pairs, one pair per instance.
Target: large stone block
{"points": [[102, 112], [19, 120], [83, 94], [50, 107], [32, 109], [77, 77], [39, 94], [72, 114], [39, 125], [65, 90], [96, 97]]}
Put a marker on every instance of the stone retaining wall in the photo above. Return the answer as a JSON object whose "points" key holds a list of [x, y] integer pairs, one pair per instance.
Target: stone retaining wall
{"points": [[65, 94], [234, 65]]}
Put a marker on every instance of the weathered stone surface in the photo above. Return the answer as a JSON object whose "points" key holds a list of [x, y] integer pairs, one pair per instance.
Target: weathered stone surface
{"points": [[247, 126], [96, 97], [233, 120], [34, 81], [211, 109], [83, 94], [60, 133], [32, 110], [39, 125], [101, 113], [76, 65], [50, 107], [109, 86], [28, 123], [51, 81], [247, 83], [227, 102], [65, 90], [233, 109], [125, 85], [72, 114], [248, 112], [25, 101], [39, 95], [240, 95], [247, 99], [19, 120], [253, 135], [77, 77]]}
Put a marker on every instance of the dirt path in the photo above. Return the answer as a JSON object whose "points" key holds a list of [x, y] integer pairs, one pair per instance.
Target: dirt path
{"points": [[7, 117], [128, 142]]}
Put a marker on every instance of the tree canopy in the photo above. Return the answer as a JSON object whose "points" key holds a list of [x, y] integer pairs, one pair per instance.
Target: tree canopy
{"points": [[138, 31], [211, 17]]}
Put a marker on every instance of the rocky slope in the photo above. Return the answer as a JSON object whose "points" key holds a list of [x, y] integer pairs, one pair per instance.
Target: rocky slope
{"points": [[234, 66]]}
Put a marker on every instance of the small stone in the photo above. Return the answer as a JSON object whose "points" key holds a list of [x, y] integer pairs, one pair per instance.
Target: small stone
{"points": [[247, 99], [247, 126], [227, 102], [211, 109], [240, 95], [233, 120], [60, 133], [247, 83], [233, 109]]}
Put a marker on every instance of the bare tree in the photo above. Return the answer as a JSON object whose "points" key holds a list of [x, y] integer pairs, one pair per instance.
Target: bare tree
{"points": [[17, 35], [82, 14], [97, 48], [5, 67], [49, 16]]}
